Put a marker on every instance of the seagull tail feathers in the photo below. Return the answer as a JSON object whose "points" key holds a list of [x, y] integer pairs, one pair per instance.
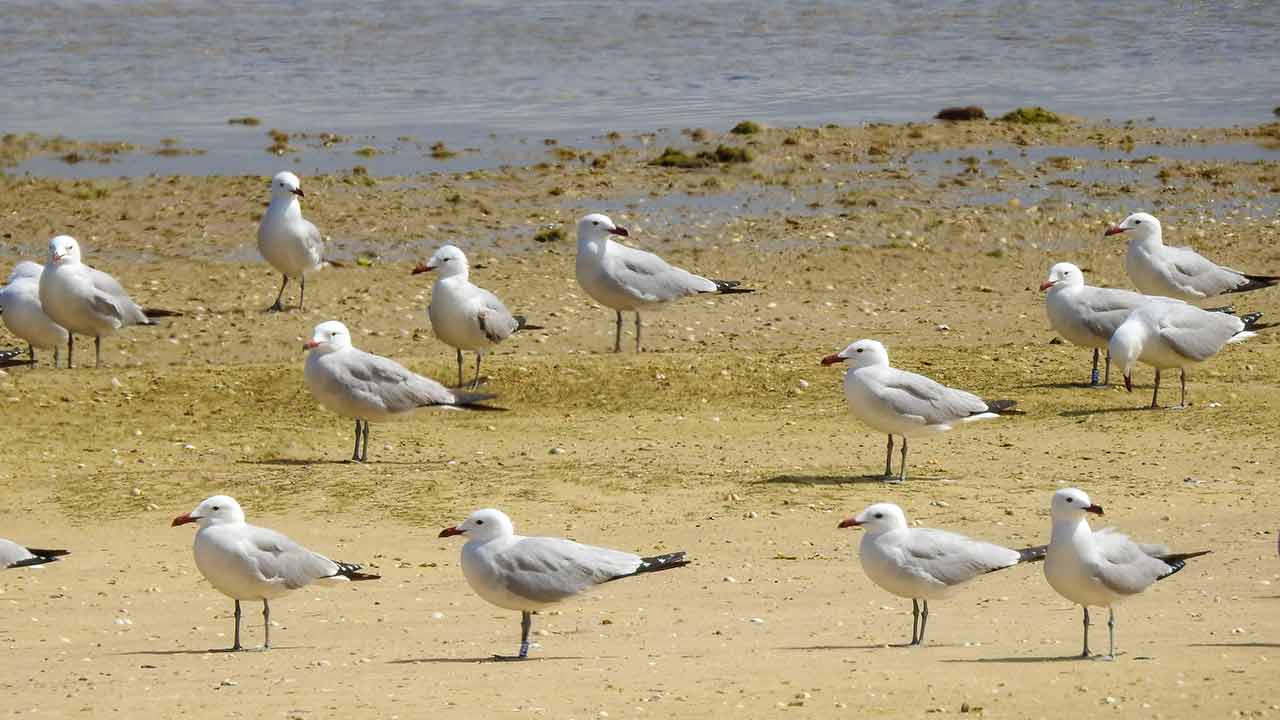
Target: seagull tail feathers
{"points": [[1032, 554], [1003, 407], [658, 563], [731, 287], [1177, 561], [1256, 282], [352, 572], [522, 323]]}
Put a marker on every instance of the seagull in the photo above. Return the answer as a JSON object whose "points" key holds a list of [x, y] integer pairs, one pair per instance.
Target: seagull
{"points": [[534, 573], [1175, 335], [23, 315], [286, 239], [246, 562], [1086, 315], [1178, 272], [625, 278], [13, 555], [1104, 567], [466, 316], [357, 384], [924, 564], [83, 300], [903, 403]]}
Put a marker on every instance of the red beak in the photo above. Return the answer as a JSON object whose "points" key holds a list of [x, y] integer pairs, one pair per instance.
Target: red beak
{"points": [[1128, 382], [449, 532], [421, 268], [619, 231], [1095, 509], [832, 359], [1047, 284], [1113, 230], [848, 523], [298, 192], [310, 345], [183, 519]]}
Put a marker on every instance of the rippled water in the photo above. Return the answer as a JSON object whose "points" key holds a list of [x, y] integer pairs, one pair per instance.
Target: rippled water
{"points": [[482, 72]]}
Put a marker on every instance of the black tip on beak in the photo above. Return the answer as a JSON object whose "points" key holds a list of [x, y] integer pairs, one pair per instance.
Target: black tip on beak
{"points": [[619, 231], [1095, 509], [298, 192]]}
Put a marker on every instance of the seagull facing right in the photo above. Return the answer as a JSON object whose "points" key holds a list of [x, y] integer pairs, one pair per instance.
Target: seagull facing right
{"points": [[534, 573], [897, 402], [286, 239], [246, 562], [624, 278], [23, 314], [1178, 272], [924, 564], [13, 555], [1104, 567]]}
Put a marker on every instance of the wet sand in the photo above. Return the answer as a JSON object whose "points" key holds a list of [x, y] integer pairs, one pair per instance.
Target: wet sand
{"points": [[725, 438]]}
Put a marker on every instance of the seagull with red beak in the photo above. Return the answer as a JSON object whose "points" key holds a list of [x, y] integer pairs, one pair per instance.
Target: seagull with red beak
{"points": [[288, 241], [624, 278], [924, 564], [1177, 272], [1100, 568], [1084, 315]]}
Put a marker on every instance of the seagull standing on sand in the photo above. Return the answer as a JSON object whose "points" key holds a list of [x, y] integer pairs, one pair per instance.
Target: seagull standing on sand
{"points": [[625, 278], [286, 239], [534, 573], [1175, 335], [1178, 272], [13, 555], [360, 385], [1085, 315], [83, 300], [897, 402], [1104, 567], [466, 316], [23, 314], [245, 562], [924, 564]]}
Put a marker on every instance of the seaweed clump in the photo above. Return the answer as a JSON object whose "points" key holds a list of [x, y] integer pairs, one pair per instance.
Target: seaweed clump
{"points": [[549, 235], [961, 114], [1031, 116], [746, 127], [722, 155]]}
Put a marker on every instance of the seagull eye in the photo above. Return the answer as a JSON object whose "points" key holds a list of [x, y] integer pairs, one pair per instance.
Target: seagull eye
{"points": [[879, 515], [595, 222], [1069, 500], [859, 350], [479, 522], [1137, 222], [216, 508]]}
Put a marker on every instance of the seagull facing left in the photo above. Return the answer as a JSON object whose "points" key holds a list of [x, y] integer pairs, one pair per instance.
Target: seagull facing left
{"points": [[246, 562], [534, 573]]}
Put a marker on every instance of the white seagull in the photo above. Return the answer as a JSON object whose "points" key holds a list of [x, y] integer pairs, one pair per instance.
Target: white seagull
{"points": [[1104, 567], [897, 402], [1178, 272], [1085, 315], [23, 314], [534, 573], [924, 564], [1175, 335], [360, 385], [625, 278], [246, 562], [13, 555], [83, 300], [286, 239], [463, 315]]}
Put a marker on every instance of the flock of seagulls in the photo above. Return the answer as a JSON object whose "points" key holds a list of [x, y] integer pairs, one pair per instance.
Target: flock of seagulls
{"points": [[1157, 326]]}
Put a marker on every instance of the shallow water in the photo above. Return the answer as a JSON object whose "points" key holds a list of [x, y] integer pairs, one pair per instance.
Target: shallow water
{"points": [[461, 71]]}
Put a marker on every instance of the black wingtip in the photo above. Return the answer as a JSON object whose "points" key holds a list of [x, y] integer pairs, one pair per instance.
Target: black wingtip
{"points": [[522, 323], [1003, 407], [1177, 561], [48, 553], [160, 312], [731, 287], [352, 572], [1032, 554]]}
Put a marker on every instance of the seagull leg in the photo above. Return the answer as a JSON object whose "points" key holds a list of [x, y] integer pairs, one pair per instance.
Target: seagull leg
{"points": [[278, 305], [236, 646], [355, 454], [31, 352], [1106, 380], [57, 352], [1183, 401], [476, 383], [364, 454], [902, 471], [1156, 392], [617, 333], [302, 294], [924, 620], [97, 351], [1085, 653], [915, 621], [637, 331], [1111, 630], [888, 461], [526, 622], [71, 341], [1093, 374], [460, 378], [266, 626]]}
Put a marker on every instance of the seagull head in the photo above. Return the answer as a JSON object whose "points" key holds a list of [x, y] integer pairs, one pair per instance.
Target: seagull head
{"points": [[1063, 275], [482, 525], [1140, 226], [863, 353], [1126, 346], [449, 260], [1072, 504], [328, 336], [64, 250], [215, 510], [878, 518], [596, 227], [285, 184]]}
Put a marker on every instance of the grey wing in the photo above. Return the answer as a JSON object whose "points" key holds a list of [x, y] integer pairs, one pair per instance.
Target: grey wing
{"points": [[280, 559], [313, 241], [650, 278], [1127, 567], [550, 569], [496, 321], [1104, 309], [393, 385], [1189, 269], [1194, 333], [952, 559], [934, 403], [110, 290]]}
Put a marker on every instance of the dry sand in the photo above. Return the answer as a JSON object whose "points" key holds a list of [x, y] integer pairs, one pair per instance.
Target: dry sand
{"points": [[727, 440]]}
